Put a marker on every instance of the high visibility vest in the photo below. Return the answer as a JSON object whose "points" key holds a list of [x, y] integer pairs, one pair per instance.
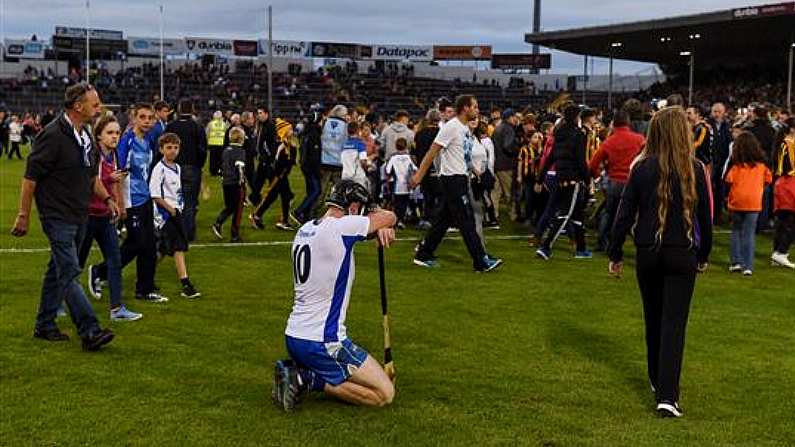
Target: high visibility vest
{"points": [[215, 137]]}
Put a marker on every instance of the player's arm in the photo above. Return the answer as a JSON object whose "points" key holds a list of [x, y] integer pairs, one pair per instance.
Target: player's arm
{"points": [[381, 225]]}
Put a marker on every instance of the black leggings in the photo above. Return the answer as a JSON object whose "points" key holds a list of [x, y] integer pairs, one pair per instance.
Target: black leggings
{"points": [[570, 206], [279, 187], [785, 231], [666, 277]]}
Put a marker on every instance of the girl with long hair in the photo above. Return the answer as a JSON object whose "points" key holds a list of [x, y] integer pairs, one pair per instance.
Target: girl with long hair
{"points": [[668, 201]]}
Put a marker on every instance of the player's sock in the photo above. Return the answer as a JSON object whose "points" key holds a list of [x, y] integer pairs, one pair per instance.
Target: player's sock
{"points": [[309, 380]]}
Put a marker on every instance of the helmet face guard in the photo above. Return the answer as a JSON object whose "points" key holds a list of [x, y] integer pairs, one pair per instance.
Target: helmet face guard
{"points": [[347, 192]]}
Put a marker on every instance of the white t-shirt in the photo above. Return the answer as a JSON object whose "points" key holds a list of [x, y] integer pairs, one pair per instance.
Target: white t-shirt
{"points": [[323, 273], [480, 155], [166, 184], [456, 141], [489, 145], [15, 132], [402, 168], [351, 157]]}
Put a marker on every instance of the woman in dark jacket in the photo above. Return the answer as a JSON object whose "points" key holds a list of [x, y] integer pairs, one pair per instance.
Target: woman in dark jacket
{"points": [[568, 157], [310, 167], [668, 201]]}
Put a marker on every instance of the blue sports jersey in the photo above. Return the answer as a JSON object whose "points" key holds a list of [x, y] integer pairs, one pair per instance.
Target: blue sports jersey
{"points": [[135, 154]]}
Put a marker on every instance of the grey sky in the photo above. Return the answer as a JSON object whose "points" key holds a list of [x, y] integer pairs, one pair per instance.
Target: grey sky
{"points": [[502, 23]]}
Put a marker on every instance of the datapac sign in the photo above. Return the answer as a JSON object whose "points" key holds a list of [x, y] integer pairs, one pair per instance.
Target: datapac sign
{"points": [[24, 49], [151, 46], [285, 48], [201, 45], [402, 52], [764, 11]]}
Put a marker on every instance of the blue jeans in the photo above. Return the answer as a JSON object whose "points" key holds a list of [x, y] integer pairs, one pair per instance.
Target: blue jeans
{"points": [[61, 279], [312, 181], [743, 238], [104, 232]]}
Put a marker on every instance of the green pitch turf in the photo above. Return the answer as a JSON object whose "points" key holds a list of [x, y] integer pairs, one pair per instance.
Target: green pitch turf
{"points": [[533, 354]]}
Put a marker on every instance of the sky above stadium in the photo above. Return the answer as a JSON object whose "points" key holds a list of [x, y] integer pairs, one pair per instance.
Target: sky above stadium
{"points": [[501, 23]]}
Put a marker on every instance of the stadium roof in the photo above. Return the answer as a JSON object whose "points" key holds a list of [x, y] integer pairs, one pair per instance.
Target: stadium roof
{"points": [[733, 37]]}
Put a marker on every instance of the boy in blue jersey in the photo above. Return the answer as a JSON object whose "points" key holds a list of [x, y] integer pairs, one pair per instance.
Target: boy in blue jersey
{"points": [[135, 156], [322, 357]]}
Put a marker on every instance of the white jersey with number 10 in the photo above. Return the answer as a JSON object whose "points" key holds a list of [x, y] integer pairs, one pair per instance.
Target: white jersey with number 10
{"points": [[323, 273]]}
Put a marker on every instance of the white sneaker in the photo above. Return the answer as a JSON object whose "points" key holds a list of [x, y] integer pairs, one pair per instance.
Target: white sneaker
{"points": [[747, 272], [669, 409], [735, 268], [781, 260]]}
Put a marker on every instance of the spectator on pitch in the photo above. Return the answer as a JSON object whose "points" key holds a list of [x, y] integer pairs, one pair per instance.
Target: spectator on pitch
{"points": [[15, 129], [135, 157], [354, 157], [162, 111], [546, 185], [4, 144], [667, 202], [702, 135], [63, 155], [423, 140], [489, 212], [616, 155], [399, 170], [322, 357], [634, 109], [747, 180], [506, 149], [216, 130], [310, 167], [192, 156], [165, 187], [589, 126], [265, 146], [480, 179], [248, 123], [234, 179], [102, 222], [279, 187], [568, 156], [722, 138], [785, 196], [453, 146], [763, 131], [527, 174], [333, 137], [398, 129]]}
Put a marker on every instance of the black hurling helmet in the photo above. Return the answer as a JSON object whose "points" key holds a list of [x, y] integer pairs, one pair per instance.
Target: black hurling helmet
{"points": [[346, 192]]}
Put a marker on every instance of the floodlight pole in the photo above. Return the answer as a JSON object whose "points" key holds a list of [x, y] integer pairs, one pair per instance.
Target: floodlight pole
{"points": [[270, 60], [584, 77], [162, 84], [2, 37], [690, 85], [610, 83], [789, 77], [88, 41]]}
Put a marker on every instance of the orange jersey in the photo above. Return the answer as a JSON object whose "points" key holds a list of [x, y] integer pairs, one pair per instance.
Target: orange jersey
{"points": [[747, 186]]}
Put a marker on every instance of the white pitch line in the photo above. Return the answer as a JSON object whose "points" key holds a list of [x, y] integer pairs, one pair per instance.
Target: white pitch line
{"points": [[4, 251]]}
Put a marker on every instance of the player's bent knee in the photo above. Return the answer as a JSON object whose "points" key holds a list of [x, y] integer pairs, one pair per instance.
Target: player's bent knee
{"points": [[386, 394]]}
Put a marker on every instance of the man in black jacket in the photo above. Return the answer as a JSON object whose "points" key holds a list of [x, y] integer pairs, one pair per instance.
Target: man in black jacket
{"points": [[506, 149], [568, 156], [764, 132], [721, 139], [62, 175], [431, 195], [191, 158], [265, 147], [310, 166]]}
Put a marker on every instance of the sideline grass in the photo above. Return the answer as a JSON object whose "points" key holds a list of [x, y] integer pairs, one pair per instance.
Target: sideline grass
{"points": [[533, 354]]}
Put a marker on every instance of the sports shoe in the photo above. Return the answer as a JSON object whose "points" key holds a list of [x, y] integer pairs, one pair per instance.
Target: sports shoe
{"points": [[286, 390], [489, 264], [735, 268], [50, 334], [298, 220], [453, 230], [585, 254], [667, 409], [256, 222], [217, 230], [427, 263], [124, 314], [544, 253], [748, 272], [781, 260], [188, 291], [94, 283], [284, 226], [98, 340], [151, 297]]}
